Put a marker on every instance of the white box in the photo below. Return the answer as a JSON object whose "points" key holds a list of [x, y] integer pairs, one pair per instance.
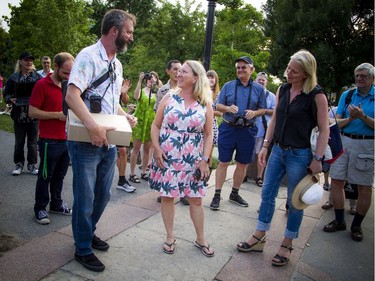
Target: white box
{"points": [[77, 131]]}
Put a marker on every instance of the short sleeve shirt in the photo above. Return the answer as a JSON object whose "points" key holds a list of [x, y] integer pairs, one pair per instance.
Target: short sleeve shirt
{"points": [[270, 100], [228, 93], [357, 126], [89, 65]]}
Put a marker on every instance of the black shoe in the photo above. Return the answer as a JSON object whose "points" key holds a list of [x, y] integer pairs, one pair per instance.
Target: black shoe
{"points": [[99, 244], [215, 203], [357, 234], [184, 200], [327, 206], [91, 262], [334, 226], [236, 198]]}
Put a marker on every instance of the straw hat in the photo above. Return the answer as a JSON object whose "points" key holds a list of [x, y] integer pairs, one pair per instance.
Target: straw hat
{"points": [[307, 192]]}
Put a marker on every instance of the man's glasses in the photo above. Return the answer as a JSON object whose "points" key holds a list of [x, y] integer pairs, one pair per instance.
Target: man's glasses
{"points": [[361, 76], [111, 72], [46, 62], [241, 67]]}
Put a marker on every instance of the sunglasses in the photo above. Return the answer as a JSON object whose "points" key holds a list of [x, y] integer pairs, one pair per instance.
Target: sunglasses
{"points": [[241, 67], [111, 72]]}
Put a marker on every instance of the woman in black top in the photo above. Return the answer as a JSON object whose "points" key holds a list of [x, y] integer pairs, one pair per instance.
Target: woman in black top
{"points": [[290, 128]]}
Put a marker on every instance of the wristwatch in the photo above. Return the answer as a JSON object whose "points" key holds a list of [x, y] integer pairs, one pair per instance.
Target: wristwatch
{"points": [[205, 158], [317, 157]]}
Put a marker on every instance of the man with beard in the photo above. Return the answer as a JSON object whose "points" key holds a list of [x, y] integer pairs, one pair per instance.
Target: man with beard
{"points": [[93, 164], [46, 105]]}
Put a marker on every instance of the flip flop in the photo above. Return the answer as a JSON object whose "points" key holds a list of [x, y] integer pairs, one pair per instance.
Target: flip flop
{"points": [[170, 245], [259, 182], [204, 249], [134, 178]]}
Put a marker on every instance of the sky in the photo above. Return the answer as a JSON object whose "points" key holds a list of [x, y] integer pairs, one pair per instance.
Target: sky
{"points": [[4, 10]]}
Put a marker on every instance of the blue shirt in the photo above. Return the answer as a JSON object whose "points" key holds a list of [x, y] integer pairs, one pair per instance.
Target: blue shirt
{"points": [[357, 126], [227, 97], [270, 101]]}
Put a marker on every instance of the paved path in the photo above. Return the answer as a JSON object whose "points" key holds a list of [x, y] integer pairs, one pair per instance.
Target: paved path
{"points": [[133, 227]]}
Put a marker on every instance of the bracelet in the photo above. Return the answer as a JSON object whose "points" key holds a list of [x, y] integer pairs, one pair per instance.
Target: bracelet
{"points": [[266, 140], [265, 146]]}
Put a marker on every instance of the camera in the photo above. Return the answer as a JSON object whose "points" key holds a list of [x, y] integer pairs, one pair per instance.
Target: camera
{"points": [[240, 121], [148, 76], [95, 103]]}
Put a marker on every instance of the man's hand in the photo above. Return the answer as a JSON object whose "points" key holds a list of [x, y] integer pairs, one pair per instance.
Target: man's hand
{"points": [[60, 115], [132, 120], [98, 135], [232, 109]]}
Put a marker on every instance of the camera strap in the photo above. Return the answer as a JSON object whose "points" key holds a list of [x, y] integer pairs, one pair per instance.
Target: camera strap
{"points": [[248, 100]]}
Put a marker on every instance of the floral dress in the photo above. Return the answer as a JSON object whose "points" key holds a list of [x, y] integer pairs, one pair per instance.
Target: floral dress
{"points": [[181, 139], [215, 125], [145, 114]]}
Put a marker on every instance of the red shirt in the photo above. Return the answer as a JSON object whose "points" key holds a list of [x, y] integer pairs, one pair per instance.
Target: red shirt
{"points": [[47, 96]]}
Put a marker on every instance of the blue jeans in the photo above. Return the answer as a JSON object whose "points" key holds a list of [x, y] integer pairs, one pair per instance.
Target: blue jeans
{"points": [[54, 163], [93, 170], [21, 132], [293, 163]]}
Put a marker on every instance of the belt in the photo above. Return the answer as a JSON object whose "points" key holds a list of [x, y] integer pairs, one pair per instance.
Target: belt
{"points": [[233, 124], [285, 147], [358, 137], [51, 140]]}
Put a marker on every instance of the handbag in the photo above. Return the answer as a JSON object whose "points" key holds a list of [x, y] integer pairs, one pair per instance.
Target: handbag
{"points": [[334, 147]]}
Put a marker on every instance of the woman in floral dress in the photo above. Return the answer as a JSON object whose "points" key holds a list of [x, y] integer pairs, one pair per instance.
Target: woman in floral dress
{"points": [[182, 141]]}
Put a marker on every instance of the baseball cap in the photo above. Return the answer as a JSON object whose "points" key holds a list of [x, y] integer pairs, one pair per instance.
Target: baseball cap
{"points": [[26, 55], [245, 59]]}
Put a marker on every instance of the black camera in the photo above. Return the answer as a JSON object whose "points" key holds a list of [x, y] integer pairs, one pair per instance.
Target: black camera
{"points": [[148, 76], [95, 103], [240, 121]]}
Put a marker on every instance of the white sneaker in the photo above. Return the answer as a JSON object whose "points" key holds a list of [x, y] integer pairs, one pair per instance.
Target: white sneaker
{"points": [[32, 169], [127, 187], [18, 170]]}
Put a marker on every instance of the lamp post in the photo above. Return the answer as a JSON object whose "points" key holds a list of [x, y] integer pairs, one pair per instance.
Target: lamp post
{"points": [[209, 34]]}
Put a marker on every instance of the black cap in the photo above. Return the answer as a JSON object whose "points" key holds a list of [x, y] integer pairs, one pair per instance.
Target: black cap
{"points": [[245, 59], [26, 55]]}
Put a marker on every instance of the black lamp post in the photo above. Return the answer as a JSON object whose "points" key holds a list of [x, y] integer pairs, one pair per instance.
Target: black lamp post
{"points": [[209, 34]]}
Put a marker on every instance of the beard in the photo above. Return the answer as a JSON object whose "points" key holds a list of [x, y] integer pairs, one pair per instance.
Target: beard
{"points": [[121, 44]]}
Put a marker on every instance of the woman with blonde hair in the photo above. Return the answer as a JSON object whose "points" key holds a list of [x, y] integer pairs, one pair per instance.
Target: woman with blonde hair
{"points": [[182, 140], [300, 105]]}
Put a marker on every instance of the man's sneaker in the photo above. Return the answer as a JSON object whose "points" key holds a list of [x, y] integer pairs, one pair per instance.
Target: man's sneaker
{"points": [[32, 169], [99, 244], [18, 170], [215, 203], [236, 198], [91, 262], [126, 186], [62, 210], [334, 226], [42, 217]]}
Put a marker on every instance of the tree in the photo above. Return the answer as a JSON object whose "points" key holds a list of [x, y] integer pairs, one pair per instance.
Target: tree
{"points": [[338, 33], [47, 27], [238, 32]]}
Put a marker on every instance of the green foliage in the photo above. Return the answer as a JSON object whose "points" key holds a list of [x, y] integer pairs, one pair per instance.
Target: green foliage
{"points": [[6, 123], [47, 27], [338, 33]]}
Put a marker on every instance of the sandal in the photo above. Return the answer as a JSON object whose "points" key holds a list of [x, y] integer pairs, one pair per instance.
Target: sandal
{"points": [[206, 250], [259, 182], [144, 176], [256, 247], [134, 178], [170, 245], [280, 260]]}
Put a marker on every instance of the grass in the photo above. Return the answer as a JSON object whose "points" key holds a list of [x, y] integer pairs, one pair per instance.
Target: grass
{"points": [[6, 123]]}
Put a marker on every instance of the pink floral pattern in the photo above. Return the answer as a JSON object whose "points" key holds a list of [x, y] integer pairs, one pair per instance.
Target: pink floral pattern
{"points": [[181, 138]]}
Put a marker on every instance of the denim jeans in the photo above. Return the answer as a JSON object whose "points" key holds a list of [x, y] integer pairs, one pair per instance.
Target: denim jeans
{"points": [[54, 163], [93, 171], [293, 163], [21, 131]]}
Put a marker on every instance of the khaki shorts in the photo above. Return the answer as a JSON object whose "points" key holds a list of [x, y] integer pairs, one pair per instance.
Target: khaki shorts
{"points": [[356, 164]]}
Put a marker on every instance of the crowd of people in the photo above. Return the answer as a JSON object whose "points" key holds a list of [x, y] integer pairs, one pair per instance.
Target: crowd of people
{"points": [[175, 127]]}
